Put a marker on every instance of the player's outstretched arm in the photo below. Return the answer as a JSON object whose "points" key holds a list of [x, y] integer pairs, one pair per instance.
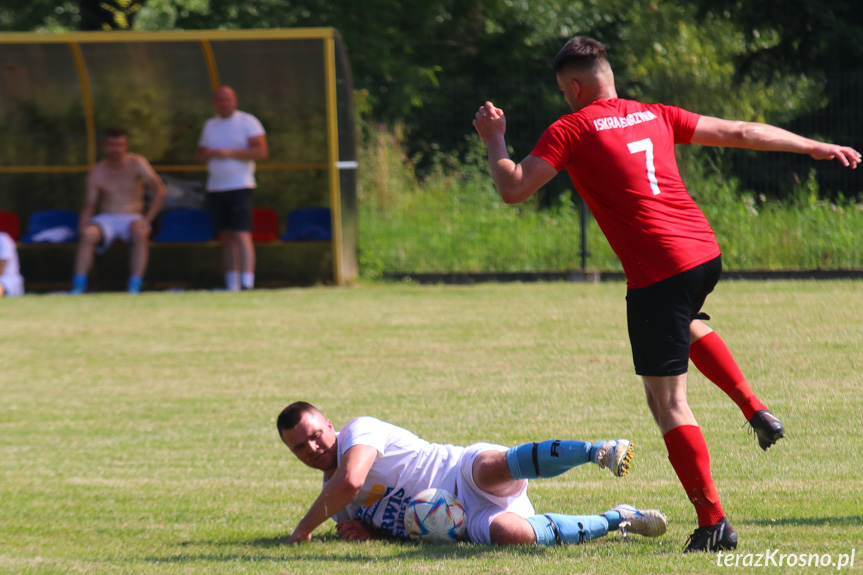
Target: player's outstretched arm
{"points": [[340, 490], [712, 131], [514, 182]]}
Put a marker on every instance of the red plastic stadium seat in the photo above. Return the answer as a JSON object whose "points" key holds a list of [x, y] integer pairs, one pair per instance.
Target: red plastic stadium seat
{"points": [[11, 224], [265, 225]]}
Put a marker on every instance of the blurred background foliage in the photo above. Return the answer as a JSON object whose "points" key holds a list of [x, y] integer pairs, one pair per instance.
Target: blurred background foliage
{"points": [[426, 65]]}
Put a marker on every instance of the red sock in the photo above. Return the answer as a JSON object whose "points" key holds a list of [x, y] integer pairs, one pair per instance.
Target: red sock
{"points": [[712, 358], [687, 452]]}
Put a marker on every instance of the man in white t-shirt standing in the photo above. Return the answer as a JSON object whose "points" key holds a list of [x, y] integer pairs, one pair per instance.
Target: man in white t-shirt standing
{"points": [[230, 144], [11, 282], [372, 470]]}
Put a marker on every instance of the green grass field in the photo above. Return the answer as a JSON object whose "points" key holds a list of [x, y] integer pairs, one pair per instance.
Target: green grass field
{"points": [[137, 434]]}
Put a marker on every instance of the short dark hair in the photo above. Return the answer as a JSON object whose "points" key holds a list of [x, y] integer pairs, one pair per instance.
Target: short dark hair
{"points": [[580, 53], [115, 132], [292, 414]]}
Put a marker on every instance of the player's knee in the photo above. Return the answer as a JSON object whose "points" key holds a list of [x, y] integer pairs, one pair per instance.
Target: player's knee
{"points": [[491, 474], [666, 393], [91, 235], [140, 231], [674, 402], [697, 330], [488, 465], [511, 529]]}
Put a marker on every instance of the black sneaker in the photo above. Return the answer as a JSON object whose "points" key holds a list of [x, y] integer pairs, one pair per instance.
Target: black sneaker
{"points": [[767, 428], [719, 536]]}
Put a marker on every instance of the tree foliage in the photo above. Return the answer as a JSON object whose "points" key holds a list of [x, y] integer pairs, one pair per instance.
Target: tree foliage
{"points": [[728, 56], [429, 63], [47, 15], [805, 36]]}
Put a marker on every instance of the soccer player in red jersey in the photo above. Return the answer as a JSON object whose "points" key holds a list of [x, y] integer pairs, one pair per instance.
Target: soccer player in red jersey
{"points": [[620, 156]]}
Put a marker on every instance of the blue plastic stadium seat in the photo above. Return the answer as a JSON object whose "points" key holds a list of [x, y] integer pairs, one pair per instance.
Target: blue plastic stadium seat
{"points": [[188, 225], [307, 224], [52, 226]]}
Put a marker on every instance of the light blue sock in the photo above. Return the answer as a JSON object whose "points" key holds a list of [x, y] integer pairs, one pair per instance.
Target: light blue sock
{"points": [[546, 459], [134, 284], [79, 284], [555, 528], [614, 519]]}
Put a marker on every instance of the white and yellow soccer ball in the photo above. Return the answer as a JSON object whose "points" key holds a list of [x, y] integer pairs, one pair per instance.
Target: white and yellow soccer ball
{"points": [[436, 516]]}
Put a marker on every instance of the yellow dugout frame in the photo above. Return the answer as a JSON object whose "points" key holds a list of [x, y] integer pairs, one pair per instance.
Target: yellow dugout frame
{"points": [[300, 77]]}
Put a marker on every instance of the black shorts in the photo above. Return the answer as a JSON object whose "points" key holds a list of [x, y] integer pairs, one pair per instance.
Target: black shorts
{"points": [[659, 315], [231, 209]]}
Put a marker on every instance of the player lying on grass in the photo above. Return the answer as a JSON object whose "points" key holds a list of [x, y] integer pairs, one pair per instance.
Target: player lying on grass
{"points": [[373, 468]]}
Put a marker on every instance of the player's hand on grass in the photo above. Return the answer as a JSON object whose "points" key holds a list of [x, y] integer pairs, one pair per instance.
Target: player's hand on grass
{"points": [[300, 536], [352, 531]]}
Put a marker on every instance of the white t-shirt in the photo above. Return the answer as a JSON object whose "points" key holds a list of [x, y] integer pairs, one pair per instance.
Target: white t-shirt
{"points": [[405, 465], [232, 132], [11, 278]]}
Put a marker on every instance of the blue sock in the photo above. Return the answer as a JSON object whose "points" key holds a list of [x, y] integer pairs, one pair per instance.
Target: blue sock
{"points": [[546, 459], [79, 283], [614, 519], [134, 284], [555, 528]]}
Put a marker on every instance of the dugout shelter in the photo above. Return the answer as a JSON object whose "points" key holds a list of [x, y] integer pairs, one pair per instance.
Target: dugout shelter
{"points": [[58, 92]]}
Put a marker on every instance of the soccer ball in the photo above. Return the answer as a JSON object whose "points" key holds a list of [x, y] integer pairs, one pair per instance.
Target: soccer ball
{"points": [[435, 516]]}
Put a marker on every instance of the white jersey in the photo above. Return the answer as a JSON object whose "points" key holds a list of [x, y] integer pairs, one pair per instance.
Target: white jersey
{"points": [[405, 465], [232, 132], [11, 278]]}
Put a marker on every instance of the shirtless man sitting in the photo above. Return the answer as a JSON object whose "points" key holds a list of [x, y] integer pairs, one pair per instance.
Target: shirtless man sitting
{"points": [[116, 184]]}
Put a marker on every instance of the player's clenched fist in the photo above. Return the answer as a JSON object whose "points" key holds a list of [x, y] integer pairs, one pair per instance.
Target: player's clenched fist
{"points": [[489, 122]]}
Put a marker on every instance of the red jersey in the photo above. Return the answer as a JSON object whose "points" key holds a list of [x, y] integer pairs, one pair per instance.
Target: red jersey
{"points": [[620, 156]]}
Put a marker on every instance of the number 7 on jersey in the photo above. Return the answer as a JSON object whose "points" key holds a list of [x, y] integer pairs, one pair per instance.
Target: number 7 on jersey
{"points": [[646, 146]]}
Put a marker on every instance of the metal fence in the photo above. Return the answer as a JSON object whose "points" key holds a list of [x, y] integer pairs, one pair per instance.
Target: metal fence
{"points": [[445, 124]]}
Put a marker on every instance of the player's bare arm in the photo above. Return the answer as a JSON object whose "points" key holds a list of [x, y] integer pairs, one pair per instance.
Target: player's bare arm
{"points": [[712, 131], [91, 198], [257, 151], [156, 186], [514, 182], [340, 490]]}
